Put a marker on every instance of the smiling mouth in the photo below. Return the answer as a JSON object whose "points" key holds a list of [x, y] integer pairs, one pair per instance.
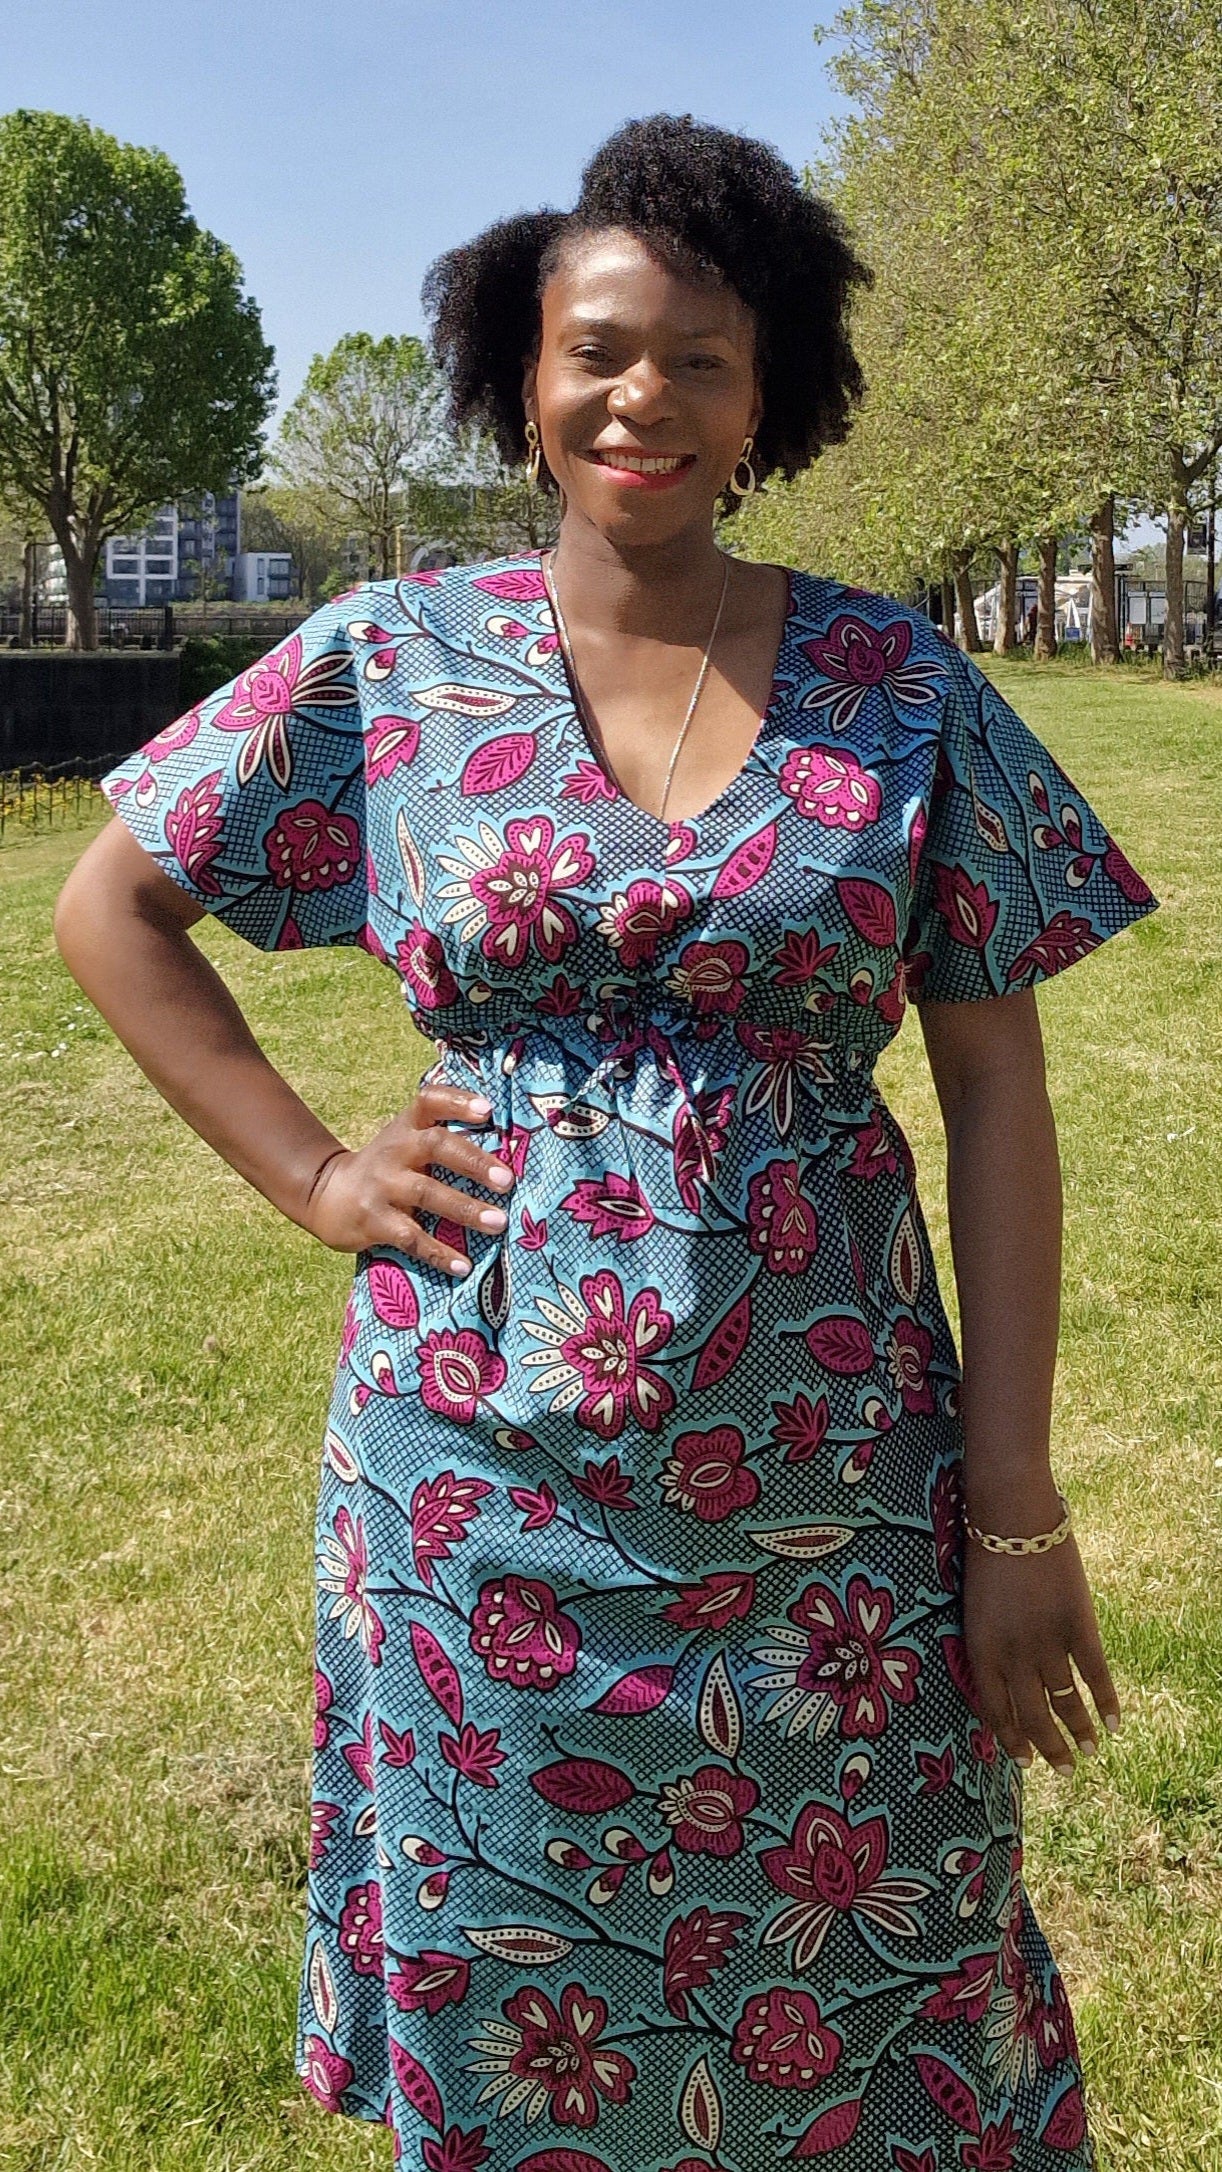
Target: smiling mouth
{"points": [[644, 463]]}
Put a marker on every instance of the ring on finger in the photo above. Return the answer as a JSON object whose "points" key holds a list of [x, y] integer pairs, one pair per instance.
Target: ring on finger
{"points": [[1086, 1742]]}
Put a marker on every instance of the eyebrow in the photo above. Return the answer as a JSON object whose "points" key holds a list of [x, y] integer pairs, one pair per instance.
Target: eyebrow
{"points": [[609, 324]]}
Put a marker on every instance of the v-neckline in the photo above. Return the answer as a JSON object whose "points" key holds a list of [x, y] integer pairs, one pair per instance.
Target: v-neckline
{"points": [[621, 799]]}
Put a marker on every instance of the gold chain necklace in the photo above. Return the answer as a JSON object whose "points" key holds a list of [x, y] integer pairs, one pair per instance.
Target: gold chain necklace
{"points": [[587, 719]]}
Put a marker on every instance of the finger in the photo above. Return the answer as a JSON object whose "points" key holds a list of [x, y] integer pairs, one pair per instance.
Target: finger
{"points": [[420, 1193], [1073, 1714], [1031, 1707], [1093, 1667], [440, 1104], [997, 1712], [453, 1150], [407, 1235]]}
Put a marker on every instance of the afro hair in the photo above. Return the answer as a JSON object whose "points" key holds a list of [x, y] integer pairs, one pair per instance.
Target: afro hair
{"points": [[713, 206]]}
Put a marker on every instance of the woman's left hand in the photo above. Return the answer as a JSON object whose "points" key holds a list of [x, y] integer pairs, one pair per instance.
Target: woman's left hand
{"points": [[1025, 1616]]}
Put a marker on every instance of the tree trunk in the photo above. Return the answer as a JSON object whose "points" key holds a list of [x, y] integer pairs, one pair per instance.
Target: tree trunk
{"points": [[948, 605], [1104, 639], [969, 624], [82, 631], [29, 580], [1007, 596], [1173, 631], [1046, 608]]}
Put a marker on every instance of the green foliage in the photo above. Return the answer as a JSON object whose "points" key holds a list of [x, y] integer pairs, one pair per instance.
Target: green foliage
{"points": [[208, 661], [133, 367], [166, 1350], [367, 419]]}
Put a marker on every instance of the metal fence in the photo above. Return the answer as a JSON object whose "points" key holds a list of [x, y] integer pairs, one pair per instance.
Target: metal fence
{"points": [[157, 626], [35, 798]]}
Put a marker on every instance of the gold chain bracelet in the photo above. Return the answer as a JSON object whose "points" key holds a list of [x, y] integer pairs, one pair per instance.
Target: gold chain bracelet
{"points": [[1037, 1545]]}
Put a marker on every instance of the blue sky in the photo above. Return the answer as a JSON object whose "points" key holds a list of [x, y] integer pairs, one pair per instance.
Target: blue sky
{"points": [[339, 147]]}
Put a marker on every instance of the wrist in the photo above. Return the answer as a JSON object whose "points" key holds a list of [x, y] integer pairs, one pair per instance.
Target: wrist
{"points": [[1015, 1504]]}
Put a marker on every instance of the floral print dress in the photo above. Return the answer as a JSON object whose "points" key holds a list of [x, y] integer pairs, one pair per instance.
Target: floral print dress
{"points": [[655, 1825]]}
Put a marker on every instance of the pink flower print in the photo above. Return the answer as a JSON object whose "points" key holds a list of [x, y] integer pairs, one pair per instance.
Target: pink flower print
{"points": [[322, 1820], [521, 1635], [475, 1755], [969, 912], [325, 2074], [311, 848], [457, 2151], [537, 1508], [705, 1810], [360, 1928], [874, 1151], [323, 1699], [784, 1054], [390, 742], [829, 785], [555, 2055], [1124, 875], [595, 1349], [607, 1484], [782, 2038], [264, 697], [835, 1663], [909, 1349], [709, 976], [705, 1474], [614, 1206], [346, 1559], [429, 1983], [458, 1369], [829, 1868], [194, 831], [422, 962], [781, 1225], [635, 922], [510, 890], [856, 657]]}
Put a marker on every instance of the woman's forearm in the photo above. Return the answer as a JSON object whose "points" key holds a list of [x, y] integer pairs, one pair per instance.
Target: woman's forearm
{"points": [[172, 1010], [1005, 1207]]}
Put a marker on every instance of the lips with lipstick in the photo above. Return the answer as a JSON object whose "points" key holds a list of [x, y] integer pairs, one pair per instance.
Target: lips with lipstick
{"points": [[649, 471]]}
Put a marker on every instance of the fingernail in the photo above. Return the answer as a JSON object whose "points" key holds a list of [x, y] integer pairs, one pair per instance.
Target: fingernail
{"points": [[1024, 1761], [459, 1265], [479, 1105], [1087, 1747], [500, 1176], [493, 1217], [1111, 1721], [1066, 1771]]}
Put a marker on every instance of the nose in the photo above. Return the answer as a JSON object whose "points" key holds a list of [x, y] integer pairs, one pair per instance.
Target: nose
{"points": [[644, 392]]}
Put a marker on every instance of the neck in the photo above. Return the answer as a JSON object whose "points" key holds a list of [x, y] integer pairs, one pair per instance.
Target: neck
{"points": [[663, 590]]}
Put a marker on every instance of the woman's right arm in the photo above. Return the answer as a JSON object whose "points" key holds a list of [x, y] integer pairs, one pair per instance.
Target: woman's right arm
{"points": [[122, 928]]}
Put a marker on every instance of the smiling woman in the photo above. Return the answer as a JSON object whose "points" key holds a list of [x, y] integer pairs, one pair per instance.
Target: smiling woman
{"points": [[669, 1733]]}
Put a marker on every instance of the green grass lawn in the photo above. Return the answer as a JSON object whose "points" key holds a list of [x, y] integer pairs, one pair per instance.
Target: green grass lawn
{"points": [[166, 1350]]}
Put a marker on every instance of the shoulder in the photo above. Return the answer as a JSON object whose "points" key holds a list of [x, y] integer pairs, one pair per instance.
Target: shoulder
{"points": [[839, 605], [448, 601]]}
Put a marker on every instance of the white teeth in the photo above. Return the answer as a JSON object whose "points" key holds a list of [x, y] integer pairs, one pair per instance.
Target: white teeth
{"points": [[638, 466]]}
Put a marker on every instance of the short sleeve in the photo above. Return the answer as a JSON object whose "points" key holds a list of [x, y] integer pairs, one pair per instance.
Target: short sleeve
{"points": [[1016, 875], [254, 801]]}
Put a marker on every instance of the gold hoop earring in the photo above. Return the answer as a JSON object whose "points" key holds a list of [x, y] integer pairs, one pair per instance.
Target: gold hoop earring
{"points": [[536, 453], [743, 490]]}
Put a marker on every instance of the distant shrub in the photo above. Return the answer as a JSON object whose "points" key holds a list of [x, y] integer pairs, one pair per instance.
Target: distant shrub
{"points": [[208, 661]]}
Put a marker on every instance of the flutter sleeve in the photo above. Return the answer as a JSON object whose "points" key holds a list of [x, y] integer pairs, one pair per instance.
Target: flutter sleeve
{"points": [[254, 801], [1016, 876]]}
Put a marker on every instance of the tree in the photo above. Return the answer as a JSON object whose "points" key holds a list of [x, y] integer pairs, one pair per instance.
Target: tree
{"points": [[367, 419], [278, 518], [133, 367]]}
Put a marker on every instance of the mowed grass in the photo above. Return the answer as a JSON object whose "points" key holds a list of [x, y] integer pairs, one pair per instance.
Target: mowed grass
{"points": [[166, 1350]]}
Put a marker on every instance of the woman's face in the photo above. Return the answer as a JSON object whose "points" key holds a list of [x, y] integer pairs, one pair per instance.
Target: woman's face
{"points": [[637, 363]]}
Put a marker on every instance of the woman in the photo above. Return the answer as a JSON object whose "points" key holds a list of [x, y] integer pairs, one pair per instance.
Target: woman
{"points": [[669, 1727]]}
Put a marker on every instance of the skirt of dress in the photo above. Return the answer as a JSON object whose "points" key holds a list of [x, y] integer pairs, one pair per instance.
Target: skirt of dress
{"points": [[655, 1828]]}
